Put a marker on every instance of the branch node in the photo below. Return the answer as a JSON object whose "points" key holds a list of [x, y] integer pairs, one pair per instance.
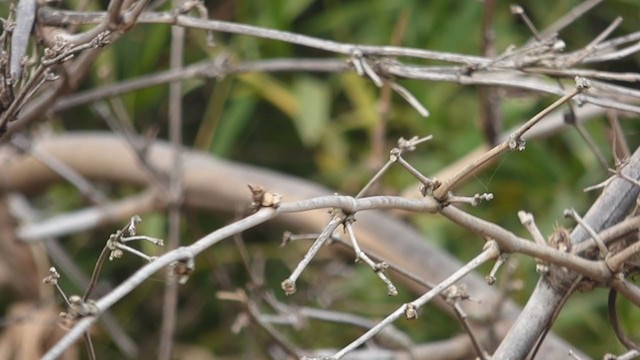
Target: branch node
{"points": [[428, 188], [582, 83], [394, 154], [52, 278], [516, 142], [601, 246], [184, 268], [78, 309], [410, 311], [491, 278], [560, 239], [456, 293], [286, 238]]}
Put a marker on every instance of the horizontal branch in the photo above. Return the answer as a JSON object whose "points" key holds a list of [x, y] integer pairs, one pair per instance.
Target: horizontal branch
{"points": [[89, 218], [54, 17], [208, 69], [511, 243]]}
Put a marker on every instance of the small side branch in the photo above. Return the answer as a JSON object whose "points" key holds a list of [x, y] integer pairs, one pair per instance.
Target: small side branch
{"points": [[515, 142], [289, 284], [410, 310], [378, 268]]}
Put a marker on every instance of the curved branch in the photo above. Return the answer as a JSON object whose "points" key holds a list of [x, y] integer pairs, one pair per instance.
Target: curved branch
{"points": [[215, 184]]}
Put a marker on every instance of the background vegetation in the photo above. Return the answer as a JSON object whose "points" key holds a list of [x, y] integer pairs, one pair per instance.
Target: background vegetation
{"points": [[328, 127]]}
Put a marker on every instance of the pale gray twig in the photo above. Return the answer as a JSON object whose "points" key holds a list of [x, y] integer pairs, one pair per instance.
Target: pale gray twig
{"points": [[174, 190], [396, 156], [58, 17], [216, 68], [89, 218], [21, 208], [289, 284], [409, 310], [378, 268], [528, 221], [568, 19]]}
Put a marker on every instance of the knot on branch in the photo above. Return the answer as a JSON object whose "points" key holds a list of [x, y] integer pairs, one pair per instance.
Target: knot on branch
{"points": [[58, 49], [289, 287], [101, 40], [262, 198], [516, 142], [560, 239], [427, 188], [560, 278], [456, 293], [183, 268], [410, 311], [582, 83], [78, 309], [362, 67]]}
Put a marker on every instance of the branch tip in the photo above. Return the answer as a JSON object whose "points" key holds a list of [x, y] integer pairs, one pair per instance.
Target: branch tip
{"points": [[289, 287]]}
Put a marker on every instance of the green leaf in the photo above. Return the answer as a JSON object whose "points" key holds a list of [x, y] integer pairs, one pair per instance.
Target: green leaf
{"points": [[234, 122], [292, 9], [313, 103], [273, 91]]}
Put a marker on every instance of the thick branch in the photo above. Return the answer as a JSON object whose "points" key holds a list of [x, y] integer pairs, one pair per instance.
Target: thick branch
{"points": [[609, 209]]}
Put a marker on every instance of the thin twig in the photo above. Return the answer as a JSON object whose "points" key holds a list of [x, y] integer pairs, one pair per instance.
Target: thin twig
{"points": [[601, 246], [93, 281], [552, 319], [620, 148], [568, 19], [615, 322], [89, 346], [528, 221], [182, 253], [67, 266], [57, 17], [83, 185], [514, 142], [490, 117], [616, 261], [209, 69], [519, 11], [396, 156], [289, 284], [89, 218], [462, 318], [362, 256], [175, 191], [410, 309]]}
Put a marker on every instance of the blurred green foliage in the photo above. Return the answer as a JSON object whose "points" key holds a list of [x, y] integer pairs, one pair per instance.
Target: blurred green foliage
{"points": [[321, 127]]}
